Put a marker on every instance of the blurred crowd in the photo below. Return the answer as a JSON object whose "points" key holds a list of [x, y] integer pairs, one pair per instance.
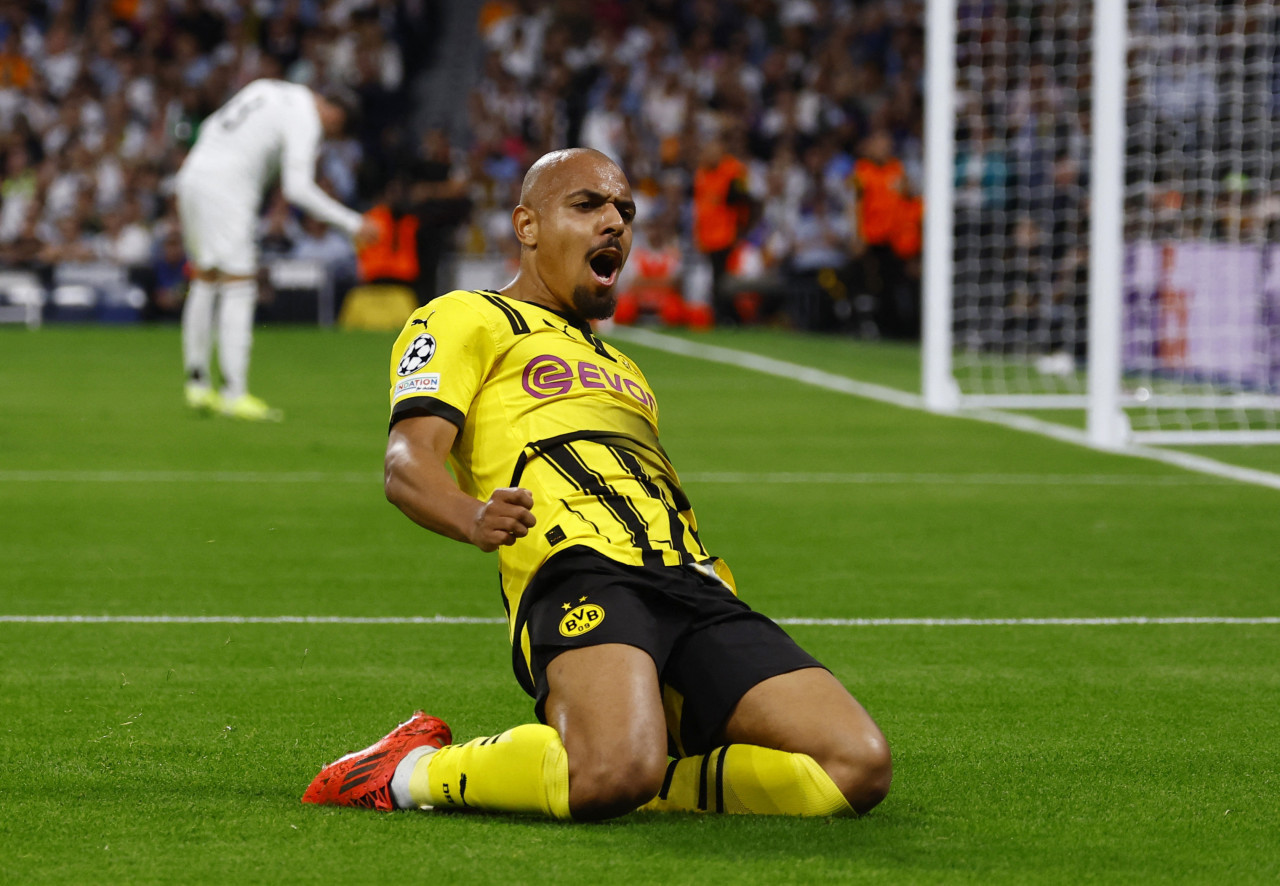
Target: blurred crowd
{"points": [[774, 145], [1202, 104], [101, 99]]}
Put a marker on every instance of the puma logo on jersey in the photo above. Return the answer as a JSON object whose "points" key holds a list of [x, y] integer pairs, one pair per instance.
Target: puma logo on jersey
{"points": [[562, 328]]}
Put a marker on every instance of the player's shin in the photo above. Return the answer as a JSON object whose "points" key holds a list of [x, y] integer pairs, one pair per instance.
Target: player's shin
{"points": [[235, 334], [741, 778], [197, 331], [524, 769]]}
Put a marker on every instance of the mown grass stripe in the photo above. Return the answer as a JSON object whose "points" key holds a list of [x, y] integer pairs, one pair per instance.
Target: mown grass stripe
{"points": [[364, 477], [1085, 621], [926, 479], [869, 478]]}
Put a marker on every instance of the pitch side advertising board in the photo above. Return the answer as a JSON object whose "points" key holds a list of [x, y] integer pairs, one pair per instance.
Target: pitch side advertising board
{"points": [[1204, 312]]}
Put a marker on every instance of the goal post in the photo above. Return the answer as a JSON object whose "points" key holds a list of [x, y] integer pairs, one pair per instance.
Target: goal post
{"points": [[938, 385], [1102, 215], [1107, 424]]}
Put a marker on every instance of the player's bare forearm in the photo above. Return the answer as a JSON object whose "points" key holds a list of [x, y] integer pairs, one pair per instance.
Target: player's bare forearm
{"points": [[425, 492], [418, 483]]}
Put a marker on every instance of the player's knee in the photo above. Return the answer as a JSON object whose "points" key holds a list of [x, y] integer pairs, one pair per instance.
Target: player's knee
{"points": [[610, 786], [862, 768]]}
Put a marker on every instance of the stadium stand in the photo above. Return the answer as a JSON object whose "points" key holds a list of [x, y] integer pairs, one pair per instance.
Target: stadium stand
{"points": [[99, 102]]}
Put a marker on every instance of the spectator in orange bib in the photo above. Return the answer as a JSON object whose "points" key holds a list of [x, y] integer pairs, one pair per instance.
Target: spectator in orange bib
{"points": [[888, 221], [721, 213], [393, 257]]}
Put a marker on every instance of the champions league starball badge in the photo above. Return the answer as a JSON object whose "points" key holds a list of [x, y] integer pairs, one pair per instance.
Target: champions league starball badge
{"points": [[417, 355]]}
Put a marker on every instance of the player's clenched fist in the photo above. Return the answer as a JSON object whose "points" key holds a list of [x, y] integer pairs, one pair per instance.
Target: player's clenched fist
{"points": [[505, 517]]}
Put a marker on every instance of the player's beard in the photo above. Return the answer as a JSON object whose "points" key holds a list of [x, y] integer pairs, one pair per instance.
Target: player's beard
{"points": [[591, 304]]}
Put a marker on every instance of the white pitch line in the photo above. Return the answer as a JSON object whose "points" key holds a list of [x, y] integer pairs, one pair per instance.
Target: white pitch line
{"points": [[710, 477], [254, 619], [1019, 622], [769, 366], [1186, 460], [845, 385], [473, 620]]}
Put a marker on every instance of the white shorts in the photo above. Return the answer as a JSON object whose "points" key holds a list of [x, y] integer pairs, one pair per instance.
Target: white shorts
{"points": [[218, 225]]}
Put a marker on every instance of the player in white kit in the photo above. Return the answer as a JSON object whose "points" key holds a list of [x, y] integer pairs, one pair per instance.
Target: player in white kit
{"points": [[269, 128]]}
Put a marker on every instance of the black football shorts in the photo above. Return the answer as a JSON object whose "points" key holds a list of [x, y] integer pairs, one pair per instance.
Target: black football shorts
{"points": [[710, 648]]}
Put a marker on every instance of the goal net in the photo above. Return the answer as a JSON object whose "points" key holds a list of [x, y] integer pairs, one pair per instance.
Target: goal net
{"points": [[1198, 288]]}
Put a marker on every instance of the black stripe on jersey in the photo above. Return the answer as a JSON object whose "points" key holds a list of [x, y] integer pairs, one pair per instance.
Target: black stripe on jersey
{"points": [[514, 317], [506, 604], [415, 406], [575, 470], [597, 344], [542, 447], [698, 539], [629, 463], [583, 517], [678, 498], [720, 778], [521, 460], [569, 464]]}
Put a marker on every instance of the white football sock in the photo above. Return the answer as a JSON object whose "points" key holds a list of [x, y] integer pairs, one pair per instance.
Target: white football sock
{"points": [[404, 771], [235, 335], [197, 331]]}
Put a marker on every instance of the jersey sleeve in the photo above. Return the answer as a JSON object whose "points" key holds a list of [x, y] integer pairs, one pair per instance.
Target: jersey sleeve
{"points": [[442, 356], [298, 171]]}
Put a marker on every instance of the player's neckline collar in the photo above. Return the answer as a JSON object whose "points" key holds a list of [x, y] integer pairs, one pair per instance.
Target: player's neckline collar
{"points": [[575, 322]]}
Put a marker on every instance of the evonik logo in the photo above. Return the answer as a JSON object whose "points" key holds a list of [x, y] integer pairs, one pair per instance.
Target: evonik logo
{"points": [[549, 376]]}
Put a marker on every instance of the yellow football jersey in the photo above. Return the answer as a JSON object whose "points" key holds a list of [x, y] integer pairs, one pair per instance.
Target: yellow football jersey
{"points": [[541, 402]]}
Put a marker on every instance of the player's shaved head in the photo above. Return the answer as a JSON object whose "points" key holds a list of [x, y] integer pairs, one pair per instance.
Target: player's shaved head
{"points": [[574, 228], [555, 171]]}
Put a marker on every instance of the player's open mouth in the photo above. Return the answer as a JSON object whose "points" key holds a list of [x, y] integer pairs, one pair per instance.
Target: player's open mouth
{"points": [[605, 265]]}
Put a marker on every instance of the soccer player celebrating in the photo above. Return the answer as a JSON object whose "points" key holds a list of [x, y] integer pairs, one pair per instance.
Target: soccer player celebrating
{"points": [[627, 633], [268, 128]]}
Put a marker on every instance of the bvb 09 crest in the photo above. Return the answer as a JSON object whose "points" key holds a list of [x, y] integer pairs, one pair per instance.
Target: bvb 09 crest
{"points": [[580, 619]]}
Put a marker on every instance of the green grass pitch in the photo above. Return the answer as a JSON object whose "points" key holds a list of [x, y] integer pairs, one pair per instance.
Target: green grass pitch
{"points": [[177, 753]]}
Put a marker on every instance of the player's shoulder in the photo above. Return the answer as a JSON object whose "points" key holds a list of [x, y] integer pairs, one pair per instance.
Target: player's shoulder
{"points": [[501, 314], [268, 88], [282, 87], [473, 298], [292, 104], [465, 313], [623, 360]]}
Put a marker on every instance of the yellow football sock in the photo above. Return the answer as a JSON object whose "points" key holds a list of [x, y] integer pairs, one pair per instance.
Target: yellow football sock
{"points": [[743, 778], [524, 769]]}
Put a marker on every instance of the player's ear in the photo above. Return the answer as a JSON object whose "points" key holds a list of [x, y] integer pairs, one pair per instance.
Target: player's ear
{"points": [[525, 222]]}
